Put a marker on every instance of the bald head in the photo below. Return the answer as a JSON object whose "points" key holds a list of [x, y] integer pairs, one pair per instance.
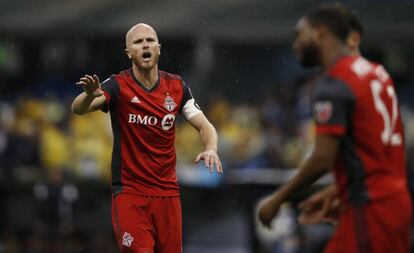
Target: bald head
{"points": [[142, 47], [137, 29]]}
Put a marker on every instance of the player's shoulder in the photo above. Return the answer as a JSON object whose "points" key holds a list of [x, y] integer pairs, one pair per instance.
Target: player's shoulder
{"points": [[169, 76], [330, 87], [355, 70], [350, 66], [352, 70], [123, 74]]}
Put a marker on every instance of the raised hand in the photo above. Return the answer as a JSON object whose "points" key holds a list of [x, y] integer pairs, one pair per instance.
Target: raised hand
{"points": [[91, 85]]}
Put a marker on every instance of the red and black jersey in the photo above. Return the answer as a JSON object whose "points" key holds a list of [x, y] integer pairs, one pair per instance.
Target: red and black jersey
{"points": [[143, 125], [356, 101]]}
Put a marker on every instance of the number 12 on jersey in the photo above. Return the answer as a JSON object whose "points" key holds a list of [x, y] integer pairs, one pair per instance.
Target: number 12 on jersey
{"points": [[388, 134]]}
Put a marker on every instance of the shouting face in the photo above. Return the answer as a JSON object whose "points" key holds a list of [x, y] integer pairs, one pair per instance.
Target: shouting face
{"points": [[142, 46], [306, 45]]}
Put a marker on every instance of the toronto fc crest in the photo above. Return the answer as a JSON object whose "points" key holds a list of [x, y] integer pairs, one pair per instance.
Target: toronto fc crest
{"points": [[169, 103]]}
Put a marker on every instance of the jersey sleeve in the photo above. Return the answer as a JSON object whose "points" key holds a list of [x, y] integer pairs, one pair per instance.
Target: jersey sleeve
{"points": [[111, 92], [189, 108], [333, 103]]}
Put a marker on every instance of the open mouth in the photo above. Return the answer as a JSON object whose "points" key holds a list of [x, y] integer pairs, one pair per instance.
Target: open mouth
{"points": [[146, 55]]}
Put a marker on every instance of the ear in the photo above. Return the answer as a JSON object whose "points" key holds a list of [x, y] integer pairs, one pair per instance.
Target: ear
{"points": [[354, 40], [159, 46], [128, 53]]}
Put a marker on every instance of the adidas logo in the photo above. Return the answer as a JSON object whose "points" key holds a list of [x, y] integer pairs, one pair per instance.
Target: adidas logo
{"points": [[135, 100]]}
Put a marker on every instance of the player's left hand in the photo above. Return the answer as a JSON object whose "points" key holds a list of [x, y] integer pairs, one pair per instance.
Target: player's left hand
{"points": [[322, 206], [211, 160]]}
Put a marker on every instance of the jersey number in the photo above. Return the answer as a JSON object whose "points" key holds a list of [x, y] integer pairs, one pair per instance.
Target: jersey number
{"points": [[388, 136]]}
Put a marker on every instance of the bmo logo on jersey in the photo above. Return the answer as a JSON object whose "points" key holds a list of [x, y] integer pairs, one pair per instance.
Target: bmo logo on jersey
{"points": [[142, 120], [166, 123]]}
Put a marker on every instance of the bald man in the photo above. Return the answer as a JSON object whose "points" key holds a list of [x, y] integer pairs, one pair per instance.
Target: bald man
{"points": [[143, 102]]}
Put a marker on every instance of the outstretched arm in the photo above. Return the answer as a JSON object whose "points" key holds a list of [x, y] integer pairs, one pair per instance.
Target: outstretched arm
{"points": [[91, 99], [320, 161], [209, 138]]}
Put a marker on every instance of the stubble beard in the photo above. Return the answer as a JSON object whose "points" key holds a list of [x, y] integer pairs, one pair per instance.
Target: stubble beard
{"points": [[310, 56], [145, 66]]}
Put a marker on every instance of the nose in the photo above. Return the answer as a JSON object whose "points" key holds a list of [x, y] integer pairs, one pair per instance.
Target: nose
{"points": [[145, 44]]}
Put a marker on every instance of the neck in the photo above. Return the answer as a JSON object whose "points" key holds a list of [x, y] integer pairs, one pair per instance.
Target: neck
{"points": [[147, 77], [333, 53]]}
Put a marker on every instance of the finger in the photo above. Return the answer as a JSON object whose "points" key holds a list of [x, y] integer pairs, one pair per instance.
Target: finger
{"points": [[197, 158], [307, 219], [302, 204], [302, 219], [96, 79], [211, 164], [90, 78], [219, 168], [85, 80], [330, 221], [326, 204], [207, 163], [80, 83], [306, 204]]}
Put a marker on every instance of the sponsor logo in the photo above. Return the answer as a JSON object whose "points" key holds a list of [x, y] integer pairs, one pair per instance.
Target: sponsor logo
{"points": [[323, 111], [135, 100], [127, 239], [142, 120], [168, 121], [169, 103]]}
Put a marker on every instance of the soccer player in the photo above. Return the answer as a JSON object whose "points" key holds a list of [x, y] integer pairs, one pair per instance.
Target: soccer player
{"points": [[325, 205], [143, 102], [359, 135]]}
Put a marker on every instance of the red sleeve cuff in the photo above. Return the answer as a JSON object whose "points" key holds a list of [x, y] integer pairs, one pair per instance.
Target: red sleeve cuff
{"points": [[108, 98], [336, 130]]}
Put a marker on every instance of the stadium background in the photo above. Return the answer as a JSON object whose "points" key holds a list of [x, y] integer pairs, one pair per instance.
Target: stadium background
{"points": [[236, 57]]}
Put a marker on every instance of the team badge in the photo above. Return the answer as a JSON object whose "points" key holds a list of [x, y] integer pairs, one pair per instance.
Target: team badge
{"points": [[127, 239], [323, 111], [169, 103]]}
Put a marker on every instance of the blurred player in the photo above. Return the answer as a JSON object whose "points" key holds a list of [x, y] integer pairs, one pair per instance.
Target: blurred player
{"points": [[143, 103], [359, 135], [325, 205]]}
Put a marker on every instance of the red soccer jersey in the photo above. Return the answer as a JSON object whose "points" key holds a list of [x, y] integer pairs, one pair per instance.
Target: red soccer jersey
{"points": [[143, 125], [356, 101]]}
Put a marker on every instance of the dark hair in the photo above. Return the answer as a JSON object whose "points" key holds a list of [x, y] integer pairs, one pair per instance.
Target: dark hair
{"points": [[355, 24], [337, 18]]}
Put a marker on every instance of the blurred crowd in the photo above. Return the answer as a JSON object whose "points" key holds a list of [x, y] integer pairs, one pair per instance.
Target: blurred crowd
{"points": [[39, 135]]}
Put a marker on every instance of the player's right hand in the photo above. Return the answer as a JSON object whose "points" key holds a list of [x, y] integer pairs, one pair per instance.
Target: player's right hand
{"points": [[91, 85], [267, 209]]}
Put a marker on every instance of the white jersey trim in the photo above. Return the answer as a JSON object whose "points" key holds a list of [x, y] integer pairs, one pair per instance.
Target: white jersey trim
{"points": [[190, 109]]}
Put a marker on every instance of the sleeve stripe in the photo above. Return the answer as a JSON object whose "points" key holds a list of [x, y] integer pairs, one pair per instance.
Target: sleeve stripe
{"points": [[108, 99]]}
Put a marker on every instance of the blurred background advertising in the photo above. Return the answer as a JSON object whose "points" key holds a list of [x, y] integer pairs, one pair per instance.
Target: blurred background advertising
{"points": [[236, 57]]}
